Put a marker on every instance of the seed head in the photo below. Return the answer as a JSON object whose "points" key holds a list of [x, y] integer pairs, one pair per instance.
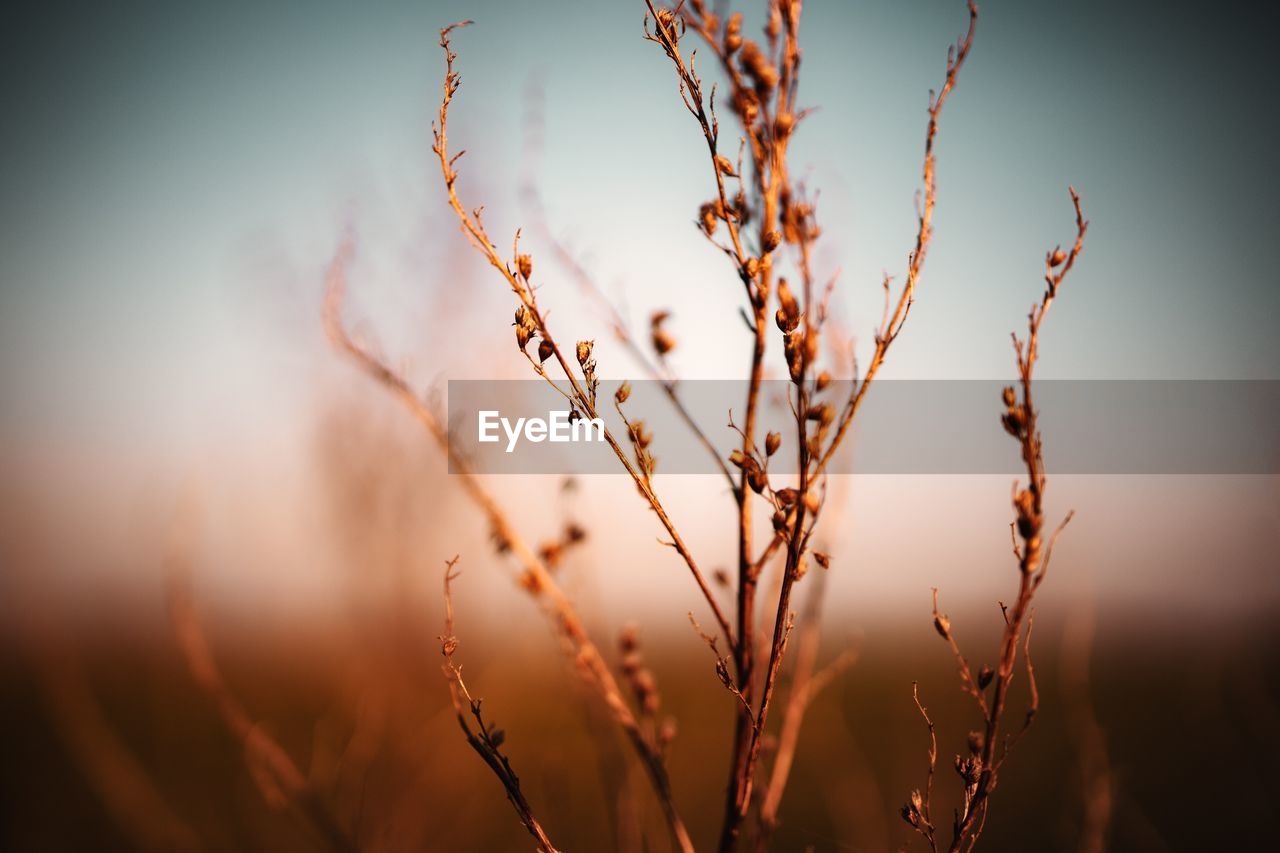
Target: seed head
{"points": [[531, 582], [524, 263], [772, 239], [584, 352], [1056, 257], [783, 125], [663, 342], [545, 350], [725, 167], [666, 23], [733, 33], [788, 316], [707, 218], [772, 442], [624, 391]]}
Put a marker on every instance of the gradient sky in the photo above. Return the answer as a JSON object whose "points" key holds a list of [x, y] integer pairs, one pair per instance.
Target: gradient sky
{"points": [[174, 178]]}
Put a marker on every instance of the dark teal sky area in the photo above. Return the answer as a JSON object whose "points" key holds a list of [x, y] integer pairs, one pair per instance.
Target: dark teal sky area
{"points": [[173, 178]]}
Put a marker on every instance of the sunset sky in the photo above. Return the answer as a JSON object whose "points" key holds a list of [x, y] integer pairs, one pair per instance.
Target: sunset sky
{"points": [[175, 180]]}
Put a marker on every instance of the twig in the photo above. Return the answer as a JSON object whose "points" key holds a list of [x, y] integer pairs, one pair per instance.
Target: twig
{"points": [[484, 738], [536, 579]]}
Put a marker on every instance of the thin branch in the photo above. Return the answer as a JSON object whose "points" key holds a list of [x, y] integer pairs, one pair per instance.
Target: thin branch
{"points": [[536, 578], [484, 738]]}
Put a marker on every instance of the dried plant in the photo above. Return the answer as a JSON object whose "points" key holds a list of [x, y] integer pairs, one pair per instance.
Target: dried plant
{"points": [[484, 738], [765, 224], [979, 770]]}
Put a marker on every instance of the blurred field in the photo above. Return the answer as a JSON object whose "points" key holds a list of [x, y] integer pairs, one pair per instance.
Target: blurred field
{"points": [[1190, 722]]}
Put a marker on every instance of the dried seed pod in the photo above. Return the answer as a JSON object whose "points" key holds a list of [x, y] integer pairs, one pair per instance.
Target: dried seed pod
{"points": [[737, 458], [1056, 257], [756, 478], [524, 263], [1009, 397], [733, 33], [824, 379], [758, 68], [942, 625], [545, 350], [788, 316], [707, 218], [976, 741], [783, 125], [747, 105], [531, 582], [639, 437], [1014, 421], [725, 167], [772, 239], [779, 522], [522, 337], [666, 23], [624, 391], [792, 349], [822, 559], [662, 340], [1028, 519], [584, 352], [985, 674], [772, 442], [823, 413], [786, 497]]}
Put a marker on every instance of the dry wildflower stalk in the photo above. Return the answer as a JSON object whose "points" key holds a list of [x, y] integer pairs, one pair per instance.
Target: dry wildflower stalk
{"points": [[660, 373], [581, 393], [484, 738], [536, 578], [806, 683], [979, 770], [756, 216], [764, 83]]}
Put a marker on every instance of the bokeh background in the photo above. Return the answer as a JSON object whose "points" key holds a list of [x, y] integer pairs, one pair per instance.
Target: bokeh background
{"points": [[177, 177]]}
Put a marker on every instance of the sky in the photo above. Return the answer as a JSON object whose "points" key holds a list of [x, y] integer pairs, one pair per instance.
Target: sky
{"points": [[174, 179]]}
